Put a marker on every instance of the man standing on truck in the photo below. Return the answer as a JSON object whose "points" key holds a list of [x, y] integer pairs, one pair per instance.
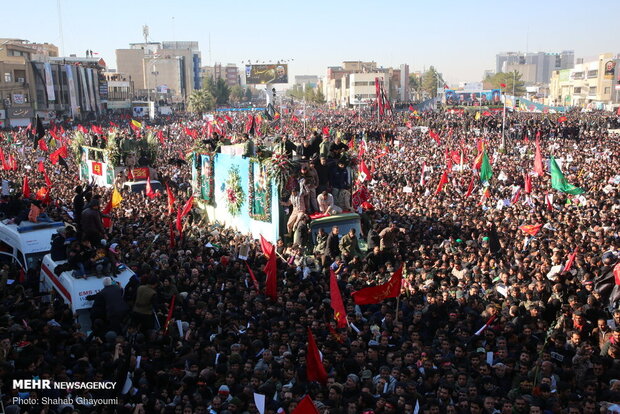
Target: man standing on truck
{"points": [[146, 299], [92, 225]]}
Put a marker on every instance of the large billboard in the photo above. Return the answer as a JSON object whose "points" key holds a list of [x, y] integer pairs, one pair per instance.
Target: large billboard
{"points": [[266, 74], [492, 97]]}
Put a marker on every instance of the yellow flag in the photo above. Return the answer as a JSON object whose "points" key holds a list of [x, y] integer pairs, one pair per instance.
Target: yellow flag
{"points": [[477, 115], [116, 198], [136, 123]]}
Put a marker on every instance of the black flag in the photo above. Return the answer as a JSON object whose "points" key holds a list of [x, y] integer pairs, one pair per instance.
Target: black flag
{"points": [[494, 245], [62, 162], [40, 130]]}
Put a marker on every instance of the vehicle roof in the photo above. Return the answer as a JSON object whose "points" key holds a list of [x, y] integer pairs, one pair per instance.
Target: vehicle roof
{"points": [[33, 237]]}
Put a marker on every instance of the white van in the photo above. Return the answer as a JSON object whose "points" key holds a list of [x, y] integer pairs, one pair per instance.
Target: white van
{"points": [[72, 290], [26, 244]]}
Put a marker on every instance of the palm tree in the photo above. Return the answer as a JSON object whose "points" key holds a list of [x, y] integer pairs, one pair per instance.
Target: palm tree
{"points": [[200, 101]]}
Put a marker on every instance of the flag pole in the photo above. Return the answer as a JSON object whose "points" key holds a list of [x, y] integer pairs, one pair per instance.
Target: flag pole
{"points": [[399, 291], [504, 122]]}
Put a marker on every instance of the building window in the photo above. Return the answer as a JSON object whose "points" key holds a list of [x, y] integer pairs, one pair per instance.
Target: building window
{"points": [[578, 75], [607, 90], [577, 90], [592, 90], [592, 74], [8, 77]]}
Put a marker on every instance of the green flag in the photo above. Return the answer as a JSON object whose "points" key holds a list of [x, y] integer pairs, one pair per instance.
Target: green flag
{"points": [[558, 181], [485, 169]]}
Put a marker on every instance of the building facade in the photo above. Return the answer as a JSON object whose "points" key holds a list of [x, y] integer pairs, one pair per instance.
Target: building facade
{"points": [[543, 62], [592, 85], [171, 66], [350, 84]]}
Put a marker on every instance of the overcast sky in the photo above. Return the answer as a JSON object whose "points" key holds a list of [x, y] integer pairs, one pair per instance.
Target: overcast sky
{"points": [[460, 38]]}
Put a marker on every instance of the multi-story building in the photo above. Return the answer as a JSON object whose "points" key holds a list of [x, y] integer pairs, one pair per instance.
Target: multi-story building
{"points": [[120, 91], [153, 66], [307, 80], [34, 80], [594, 84], [542, 64], [230, 73], [340, 89]]}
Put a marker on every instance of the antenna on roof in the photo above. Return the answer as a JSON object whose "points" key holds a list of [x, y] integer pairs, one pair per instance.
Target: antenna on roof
{"points": [[145, 33]]}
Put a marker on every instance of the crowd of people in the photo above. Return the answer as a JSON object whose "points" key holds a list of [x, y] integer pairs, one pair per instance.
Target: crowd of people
{"points": [[491, 319]]}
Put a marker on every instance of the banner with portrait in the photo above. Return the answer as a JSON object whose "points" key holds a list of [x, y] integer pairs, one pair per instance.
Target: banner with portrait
{"points": [[610, 69], [259, 193], [206, 178]]}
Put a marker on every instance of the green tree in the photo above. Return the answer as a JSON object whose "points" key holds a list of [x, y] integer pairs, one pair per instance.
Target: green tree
{"points": [[319, 98], [431, 80], [237, 93], [415, 83], [200, 101], [309, 94], [296, 92], [509, 79], [248, 94], [219, 89]]}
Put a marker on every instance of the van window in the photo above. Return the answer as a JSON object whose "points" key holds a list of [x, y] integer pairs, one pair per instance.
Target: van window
{"points": [[20, 257], [5, 247]]}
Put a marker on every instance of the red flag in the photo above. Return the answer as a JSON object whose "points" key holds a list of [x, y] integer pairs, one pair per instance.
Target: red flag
{"points": [[112, 124], [40, 167], [271, 283], [305, 406], [149, 191], [515, 196], [340, 313], [562, 119], [48, 182], [470, 189], [12, 162], [538, 163], [42, 194], [188, 207], [96, 130], [411, 108], [294, 119], [170, 311], [107, 222], [171, 200], [25, 187], [435, 136], [62, 151], [265, 246], [82, 129], [315, 371], [359, 197], [531, 229], [502, 85], [617, 273], [364, 172], [254, 281], [179, 223], [172, 236], [326, 131], [377, 294], [160, 136], [54, 157], [528, 183], [442, 181], [571, 260], [5, 165], [43, 145]]}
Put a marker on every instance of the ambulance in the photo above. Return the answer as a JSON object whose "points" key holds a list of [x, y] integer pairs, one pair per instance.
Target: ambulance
{"points": [[26, 244], [72, 290]]}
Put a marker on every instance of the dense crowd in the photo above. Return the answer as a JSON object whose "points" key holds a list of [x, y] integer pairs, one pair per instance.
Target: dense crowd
{"points": [[490, 319]]}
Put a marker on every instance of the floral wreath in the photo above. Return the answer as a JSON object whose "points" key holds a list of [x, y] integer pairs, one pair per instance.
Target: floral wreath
{"points": [[234, 192], [260, 217]]}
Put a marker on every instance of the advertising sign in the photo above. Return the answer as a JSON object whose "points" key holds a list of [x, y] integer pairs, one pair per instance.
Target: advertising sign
{"points": [[266, 74], [492, 97]]}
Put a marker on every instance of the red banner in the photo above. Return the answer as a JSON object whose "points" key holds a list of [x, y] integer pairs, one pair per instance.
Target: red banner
{"points": [[97, 168], [141, 173]]}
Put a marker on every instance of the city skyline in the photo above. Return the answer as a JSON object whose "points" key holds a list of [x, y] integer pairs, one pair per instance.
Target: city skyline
{"points": [[459, 39]]}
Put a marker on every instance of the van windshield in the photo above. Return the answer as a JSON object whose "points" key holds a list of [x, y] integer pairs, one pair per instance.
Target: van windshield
{"points": [[33, 260]]}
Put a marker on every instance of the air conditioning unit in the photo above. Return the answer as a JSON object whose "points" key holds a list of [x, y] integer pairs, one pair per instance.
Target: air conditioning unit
{"points": [[21, 80]]}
